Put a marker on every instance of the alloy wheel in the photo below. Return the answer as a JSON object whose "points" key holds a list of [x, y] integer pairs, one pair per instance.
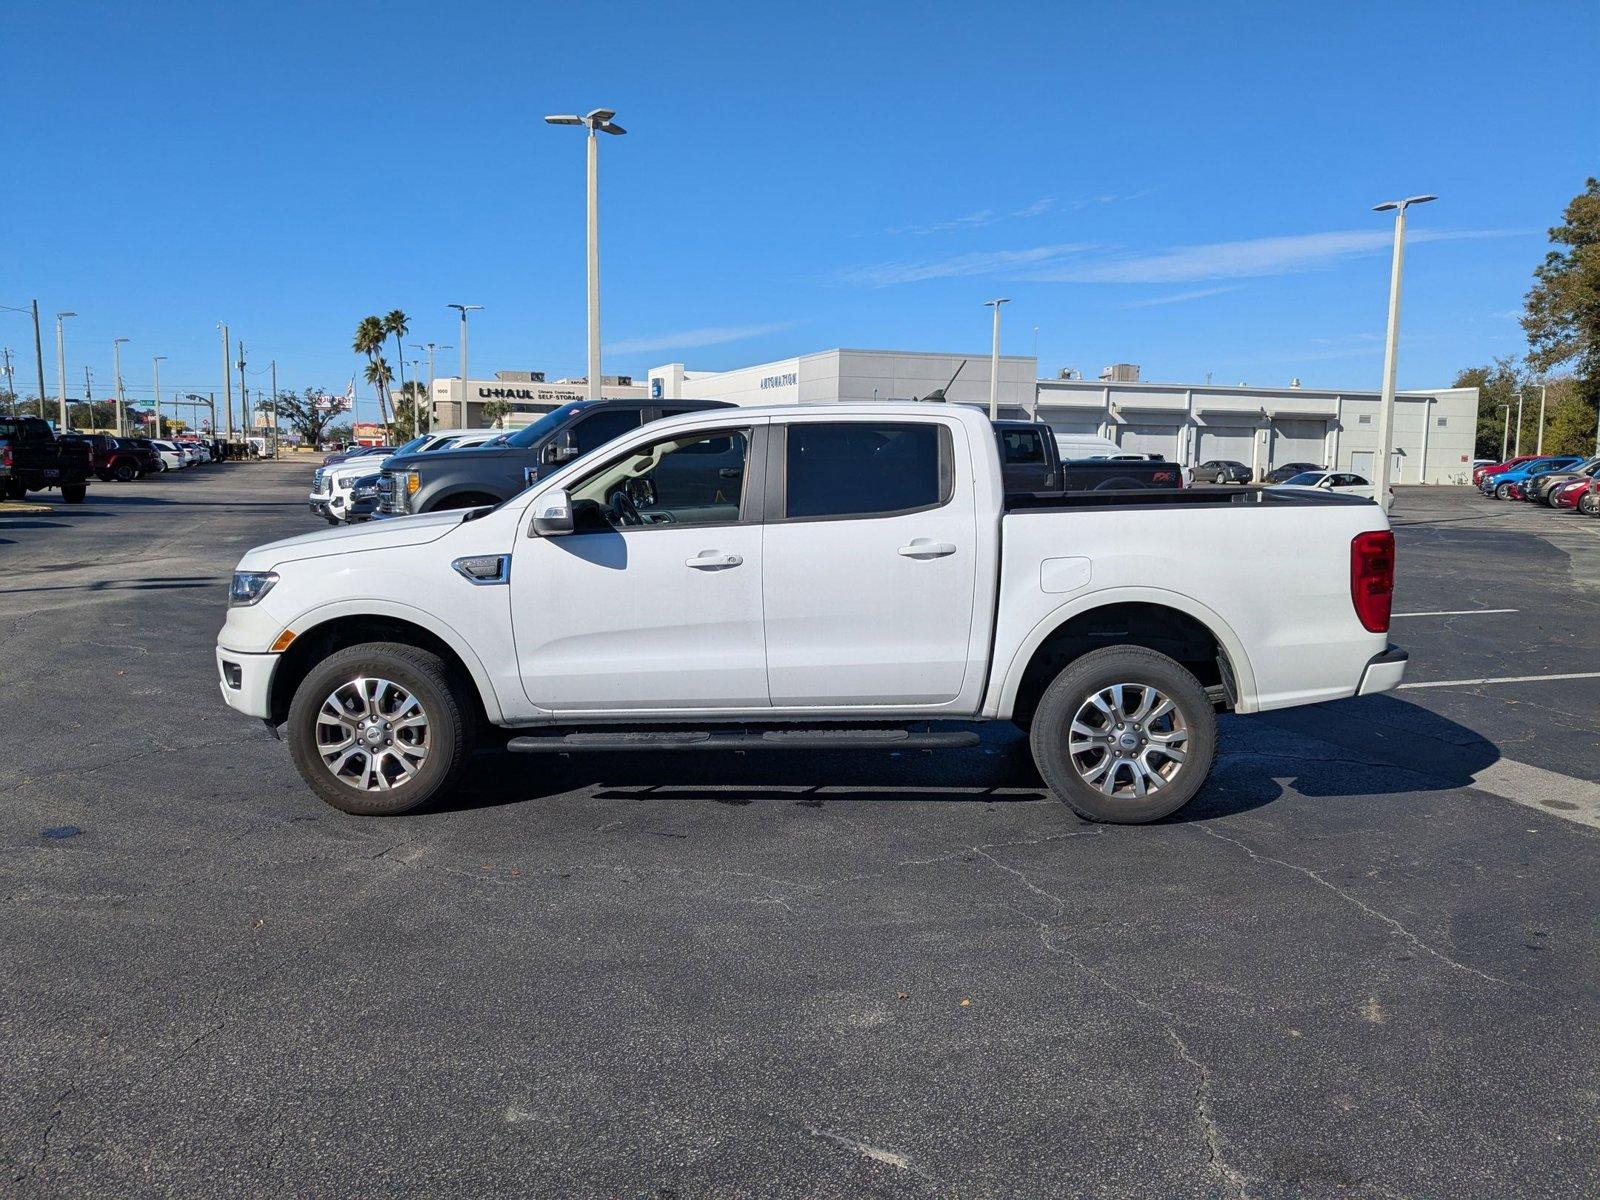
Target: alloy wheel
{"points": [[372, 734], [1128, 740]]}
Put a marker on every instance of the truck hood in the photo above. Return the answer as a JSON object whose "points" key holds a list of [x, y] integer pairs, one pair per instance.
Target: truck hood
{"points": [[347, 539], [472, 454]]}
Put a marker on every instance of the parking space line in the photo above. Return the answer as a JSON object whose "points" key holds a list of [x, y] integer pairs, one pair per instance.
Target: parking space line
{"points": [[1550, 792], [1438, 683], [1456, 612]]}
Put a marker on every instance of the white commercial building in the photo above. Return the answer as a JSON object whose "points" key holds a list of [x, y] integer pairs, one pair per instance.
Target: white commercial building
{"points": [[1432, 440], [459, 404]]}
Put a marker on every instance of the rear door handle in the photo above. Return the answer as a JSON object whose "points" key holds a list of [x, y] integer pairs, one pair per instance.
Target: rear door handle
{"points": [[713, 560], [927, 548]]}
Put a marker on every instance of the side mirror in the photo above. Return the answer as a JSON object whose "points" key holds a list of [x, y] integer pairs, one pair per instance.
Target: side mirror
{"points": [[552, 514], [565, 447]]}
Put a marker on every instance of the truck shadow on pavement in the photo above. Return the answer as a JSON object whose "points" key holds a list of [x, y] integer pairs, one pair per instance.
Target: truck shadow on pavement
{"points": [[1376, 746]]}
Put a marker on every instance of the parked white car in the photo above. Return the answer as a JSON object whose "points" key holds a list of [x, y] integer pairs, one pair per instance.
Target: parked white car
{"points": [[1343, 482], [809, 577], [171, 456]]}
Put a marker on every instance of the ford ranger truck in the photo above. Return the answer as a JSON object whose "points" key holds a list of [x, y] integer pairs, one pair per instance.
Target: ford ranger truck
{"points": [[796, 578]]}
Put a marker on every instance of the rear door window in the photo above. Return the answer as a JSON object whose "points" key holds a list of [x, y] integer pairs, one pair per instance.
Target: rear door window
{"points": [[594, 432], [865, 469], [1022, 447]]}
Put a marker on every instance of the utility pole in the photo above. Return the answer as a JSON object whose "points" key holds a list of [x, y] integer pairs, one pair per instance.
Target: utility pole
{"points": [[11, 384], [274, 408], [430, 347], [61, 369], [38, 356], [994, 360], [121, 396], [244, 394], [155, 366], [88, 392], [1518, 449], [1539, 449], [227, 380], [1505, 431]]}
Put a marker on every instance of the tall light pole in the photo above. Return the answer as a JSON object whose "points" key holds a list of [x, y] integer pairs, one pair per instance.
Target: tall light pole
{"points": [[227, 380], [464, 309], [1391, 346], [1505, 432], [118, 394], [994, 360], [430, 347], [1518, 447], [155, 368], [1539, 449], [61, 368], [596, 121]]}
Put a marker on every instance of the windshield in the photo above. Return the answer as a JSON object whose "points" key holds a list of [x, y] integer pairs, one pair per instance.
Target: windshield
{"points": [[1305, 479], [532, 435], [415, 443]]}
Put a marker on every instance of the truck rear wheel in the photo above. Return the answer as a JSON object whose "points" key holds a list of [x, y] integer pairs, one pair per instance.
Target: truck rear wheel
{"points": [[1124, 735], [380, 729], [73, 493]]}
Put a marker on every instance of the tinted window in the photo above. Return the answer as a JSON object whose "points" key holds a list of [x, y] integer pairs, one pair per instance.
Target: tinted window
{"points": [[1020, 447], [599, 429], [1308, 479], [859, 469], [532, 435]]}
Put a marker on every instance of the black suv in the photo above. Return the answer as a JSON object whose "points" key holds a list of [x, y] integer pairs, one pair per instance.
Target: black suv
{"points": [[498, 470]]}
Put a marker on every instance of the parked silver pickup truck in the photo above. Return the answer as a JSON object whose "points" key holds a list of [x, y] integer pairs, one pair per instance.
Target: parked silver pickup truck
{"points": [[806, 577]]}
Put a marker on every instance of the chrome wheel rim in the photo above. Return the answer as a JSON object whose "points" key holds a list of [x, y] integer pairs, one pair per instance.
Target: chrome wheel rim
{"points": [[1128, 741], [372, 734]]}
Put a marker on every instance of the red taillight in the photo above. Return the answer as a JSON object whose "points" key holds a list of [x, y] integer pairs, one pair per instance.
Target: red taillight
{"points": [[1372, 578], [5, 456]]}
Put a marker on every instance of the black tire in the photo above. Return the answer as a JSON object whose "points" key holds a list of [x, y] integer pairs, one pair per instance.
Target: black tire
{"points": [[1589, 504], [444, 702], [14, 489], [125, 471], [1503, 492], [1074, 688], [73, 493], [103, 476]]}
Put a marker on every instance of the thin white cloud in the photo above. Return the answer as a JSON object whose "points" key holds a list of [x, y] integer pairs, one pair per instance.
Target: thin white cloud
{"points": [[1248, 259], [1180, 297], [978, 219], [693, 339], [981, 262], [1037, 209]]}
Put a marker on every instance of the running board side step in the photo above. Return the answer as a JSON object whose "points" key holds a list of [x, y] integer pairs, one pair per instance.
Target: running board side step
{"points": [[738, 739]]}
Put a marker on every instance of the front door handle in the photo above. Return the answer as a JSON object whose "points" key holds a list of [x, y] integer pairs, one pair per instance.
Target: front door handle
{"points": [[926, 548], [713, 560]]}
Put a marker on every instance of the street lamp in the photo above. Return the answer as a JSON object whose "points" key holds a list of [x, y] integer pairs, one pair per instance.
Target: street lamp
{"points": [[1505, 431], [430, 347], [464, 309], [1391, 344], [597, 121], [1539, 449], [994, 360], [61, 368], [116, 369], [155, 366]]}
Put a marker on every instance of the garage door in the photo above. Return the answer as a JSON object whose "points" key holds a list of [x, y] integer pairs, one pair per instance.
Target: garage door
{"points": [[1229, 442], [1299, 441], [1063, 421], [1150, 439]]}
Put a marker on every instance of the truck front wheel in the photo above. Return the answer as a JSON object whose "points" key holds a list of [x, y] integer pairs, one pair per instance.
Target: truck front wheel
{"points": [[380, 729], [1124, 735]]}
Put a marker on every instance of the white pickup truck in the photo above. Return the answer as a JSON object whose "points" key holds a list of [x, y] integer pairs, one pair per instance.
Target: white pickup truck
{"points": [[805, 577]]}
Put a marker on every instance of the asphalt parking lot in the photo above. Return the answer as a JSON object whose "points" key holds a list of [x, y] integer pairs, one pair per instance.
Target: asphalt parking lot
{"points": [[1363, 963]]}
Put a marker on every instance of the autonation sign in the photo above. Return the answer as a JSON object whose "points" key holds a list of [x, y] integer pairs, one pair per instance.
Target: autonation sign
{"points": [[788, 379]]}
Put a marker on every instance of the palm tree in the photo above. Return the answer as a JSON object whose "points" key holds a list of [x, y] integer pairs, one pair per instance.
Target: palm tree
{"points": [[397, 324], [378, 375], [369, 339]]}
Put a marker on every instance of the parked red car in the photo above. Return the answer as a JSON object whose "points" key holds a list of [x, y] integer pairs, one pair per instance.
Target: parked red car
{"points": [[1581, 494], [1565, 495], [1495, 468], [112, 458]]}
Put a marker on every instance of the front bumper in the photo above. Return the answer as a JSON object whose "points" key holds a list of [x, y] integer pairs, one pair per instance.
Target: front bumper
{"points": [[1384, 672], [246, 681]]}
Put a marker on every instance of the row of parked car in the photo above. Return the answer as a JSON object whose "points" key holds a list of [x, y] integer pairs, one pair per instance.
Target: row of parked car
{"points": [[33, 458], [1559, 481]]}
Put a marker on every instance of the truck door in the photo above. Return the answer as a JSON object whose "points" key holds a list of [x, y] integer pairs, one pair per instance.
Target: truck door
{"points": [[653, 602], [870, 563]]}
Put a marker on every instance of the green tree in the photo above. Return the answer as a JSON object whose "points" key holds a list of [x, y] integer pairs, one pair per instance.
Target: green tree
{"points": [[369, 340], [1562, 318], [409, 419], [398, 324], [311, 415], [1498, 383], [496, 411], [379, 376]]}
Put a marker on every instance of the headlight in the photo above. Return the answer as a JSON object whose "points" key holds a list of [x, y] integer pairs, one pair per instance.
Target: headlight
{"points": [[249, 586], [364, 491]]}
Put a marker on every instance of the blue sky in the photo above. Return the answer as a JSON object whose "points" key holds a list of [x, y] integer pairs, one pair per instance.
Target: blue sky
{"points": [[1182, 186]]}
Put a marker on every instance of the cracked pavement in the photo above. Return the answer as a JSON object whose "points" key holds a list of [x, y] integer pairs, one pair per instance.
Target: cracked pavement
{"points": [[1343, 971]]}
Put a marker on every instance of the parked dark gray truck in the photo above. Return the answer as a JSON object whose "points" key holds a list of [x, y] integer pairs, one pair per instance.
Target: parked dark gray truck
{"points": [[488, 474], [1031, 465], [32, 459]]}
